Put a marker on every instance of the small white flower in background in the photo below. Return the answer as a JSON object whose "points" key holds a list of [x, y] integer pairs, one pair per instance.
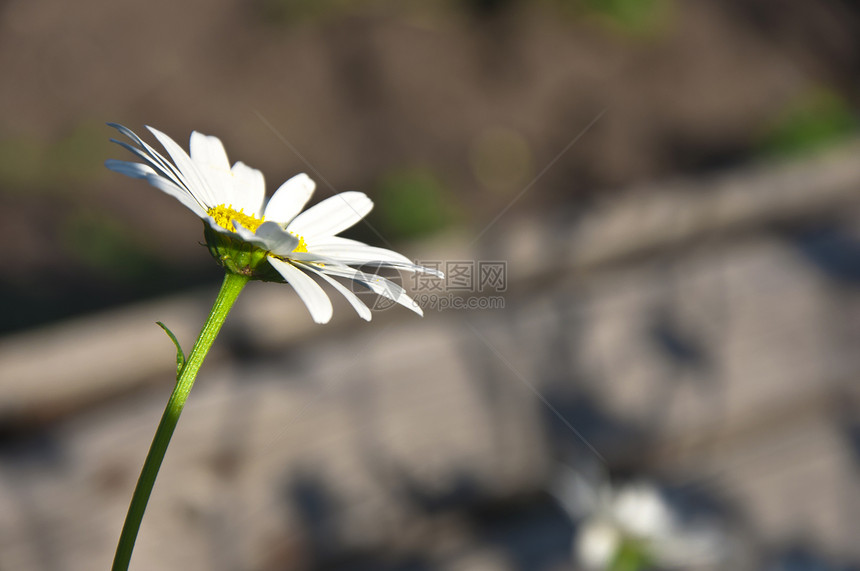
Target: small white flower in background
{"points": [[253, 238], [636, 517], [642, 509], [597, 544]]}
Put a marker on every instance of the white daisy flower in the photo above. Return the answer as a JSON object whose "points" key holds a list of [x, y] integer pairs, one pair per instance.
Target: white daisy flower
{"points": [[251, 237]]}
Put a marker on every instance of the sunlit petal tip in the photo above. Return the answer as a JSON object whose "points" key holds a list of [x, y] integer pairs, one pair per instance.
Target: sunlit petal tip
{"points": [[289, 199], [303, 178], [208, 150]]}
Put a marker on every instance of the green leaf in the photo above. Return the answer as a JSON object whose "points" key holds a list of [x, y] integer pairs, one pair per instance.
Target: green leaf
{"points": [[816, 119], [632, 555], [413, 202], [180, 356]]}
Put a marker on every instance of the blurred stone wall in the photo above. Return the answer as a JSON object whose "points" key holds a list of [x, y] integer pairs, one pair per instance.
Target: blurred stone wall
{"points": [[701, 334]]}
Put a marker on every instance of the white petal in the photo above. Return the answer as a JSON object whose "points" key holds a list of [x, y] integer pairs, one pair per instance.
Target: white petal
{"points": [[269, 236], [248, 236], [311, 258], [137, 170], [277, 240], [150, 155], [290, 198], [378, 285], [332, 215], [179, 194], [158, 164], [134, 170], [358, 252], [209, 150], [208, 154], [249, 189], [315, 258], [193, 179], [359, 306], [309, 291]]}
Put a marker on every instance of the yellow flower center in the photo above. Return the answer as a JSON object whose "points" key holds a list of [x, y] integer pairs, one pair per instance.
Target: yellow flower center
{"points": [[303, 246], [225, 215]]}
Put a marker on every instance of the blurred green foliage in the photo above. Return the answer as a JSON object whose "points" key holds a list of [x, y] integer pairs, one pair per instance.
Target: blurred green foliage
{"points": [[412, 203], [293, 11], [815, 120], [626, 17], [20, 162], [28, 164], [99, 241], [632, 555], [640, 18]]}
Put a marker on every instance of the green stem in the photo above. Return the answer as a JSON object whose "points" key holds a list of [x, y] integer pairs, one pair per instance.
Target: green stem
{"points": [[230, 289]]}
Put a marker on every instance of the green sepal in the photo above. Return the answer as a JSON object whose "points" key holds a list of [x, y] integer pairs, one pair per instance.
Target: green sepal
{"points": [[238, 256], [180, 356]]}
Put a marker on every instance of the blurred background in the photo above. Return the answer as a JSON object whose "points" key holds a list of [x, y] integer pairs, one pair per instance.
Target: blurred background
{"points": [[644, 355]]}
